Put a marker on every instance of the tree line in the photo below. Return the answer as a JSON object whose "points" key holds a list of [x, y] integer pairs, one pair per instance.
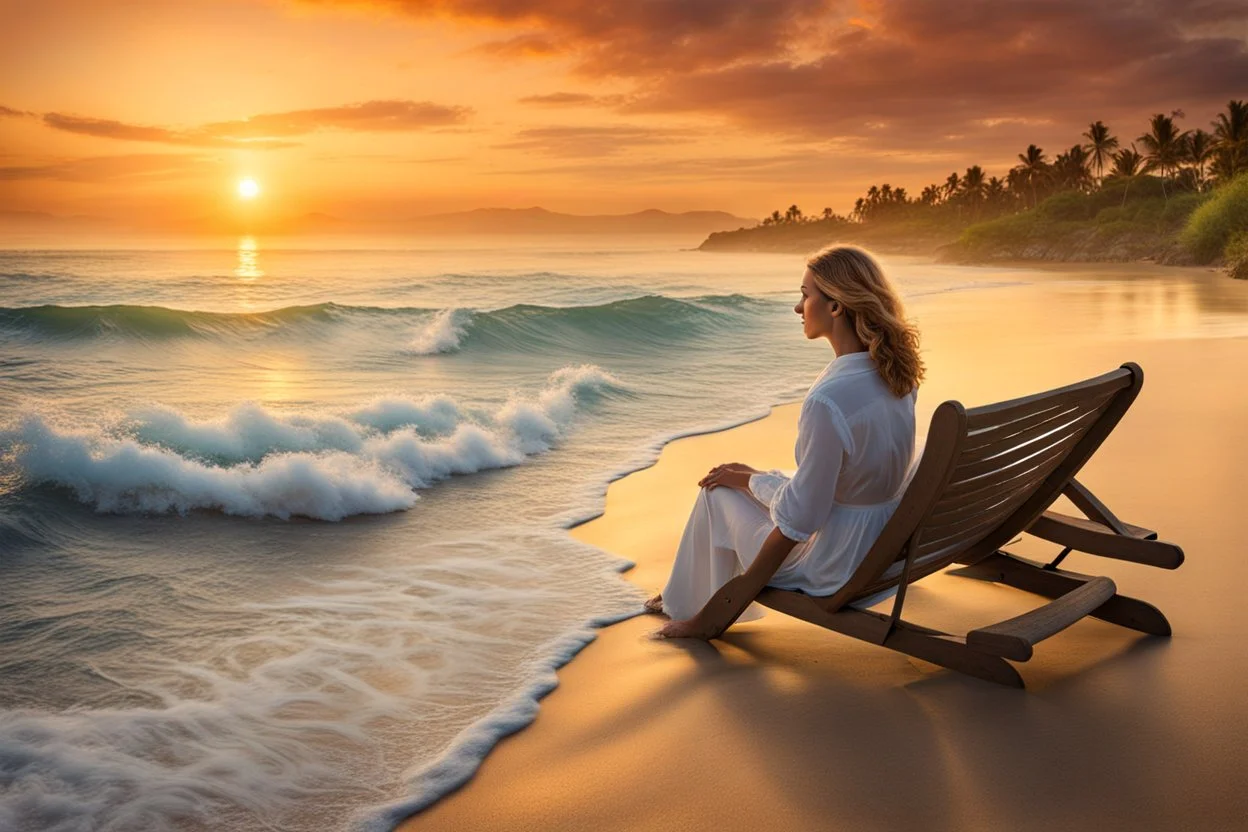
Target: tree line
{"points": [[1184, 160]]}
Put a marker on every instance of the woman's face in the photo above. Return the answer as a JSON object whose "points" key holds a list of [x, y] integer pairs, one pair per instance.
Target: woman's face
{"points": [[815, 309]]}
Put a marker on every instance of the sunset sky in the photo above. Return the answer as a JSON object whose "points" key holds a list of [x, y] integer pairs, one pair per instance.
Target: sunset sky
{"points": [[153, 111]]}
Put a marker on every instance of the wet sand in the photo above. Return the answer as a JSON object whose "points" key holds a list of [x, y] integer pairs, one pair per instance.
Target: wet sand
{"points": [[783, 725]]}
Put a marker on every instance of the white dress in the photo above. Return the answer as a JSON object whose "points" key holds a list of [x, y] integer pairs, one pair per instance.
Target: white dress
{"points": [[855, 444]]}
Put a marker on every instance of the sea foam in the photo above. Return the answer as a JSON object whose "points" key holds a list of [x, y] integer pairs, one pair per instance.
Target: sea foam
{"points": [[322, 693], [441, 334], [255, 462]]}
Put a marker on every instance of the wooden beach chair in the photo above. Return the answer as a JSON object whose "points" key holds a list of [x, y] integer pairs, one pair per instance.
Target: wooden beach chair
{"points": [[986, 475]]}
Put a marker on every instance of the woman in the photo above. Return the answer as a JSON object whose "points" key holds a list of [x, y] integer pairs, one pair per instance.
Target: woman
{"points": [[855, 440]]}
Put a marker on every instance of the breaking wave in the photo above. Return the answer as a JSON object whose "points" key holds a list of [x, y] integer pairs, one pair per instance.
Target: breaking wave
{"points": [[442, 334], [256, 462], [524, 327]]}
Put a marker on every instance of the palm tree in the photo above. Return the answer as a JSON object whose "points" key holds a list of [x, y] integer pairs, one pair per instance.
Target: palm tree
{"points": [[793, 214], [951, 185], [827, 213], [1070, 169], [930, 195], [1101, 145], [1127, 162], [1033, 168], [996, 195], [1199, 150], [776, 218], [972, 189], [1230, 130], [1164, 147]]}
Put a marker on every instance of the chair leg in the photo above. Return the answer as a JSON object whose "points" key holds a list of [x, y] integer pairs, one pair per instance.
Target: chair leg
{"points": [[1029, 576], [912, 639], [951, 652]]}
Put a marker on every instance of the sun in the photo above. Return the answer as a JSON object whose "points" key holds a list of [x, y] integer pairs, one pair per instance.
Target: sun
{"points": [[248, 188]]}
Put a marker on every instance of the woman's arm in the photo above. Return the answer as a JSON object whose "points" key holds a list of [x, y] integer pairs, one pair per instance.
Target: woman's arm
{"points": [[730, 601], [799, 509]]}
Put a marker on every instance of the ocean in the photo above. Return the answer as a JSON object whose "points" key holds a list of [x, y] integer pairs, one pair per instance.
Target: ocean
{"points": [[283, 531]]}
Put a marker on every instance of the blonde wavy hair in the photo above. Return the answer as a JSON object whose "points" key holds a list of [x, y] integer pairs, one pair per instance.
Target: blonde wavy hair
{"points": [[851, 276]]}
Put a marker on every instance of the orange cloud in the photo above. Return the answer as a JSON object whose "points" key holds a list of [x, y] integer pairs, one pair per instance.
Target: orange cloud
{"points": [[574, 99], [267, 130], [603, 140], [148, 166], [108, 129], [368, 116]]}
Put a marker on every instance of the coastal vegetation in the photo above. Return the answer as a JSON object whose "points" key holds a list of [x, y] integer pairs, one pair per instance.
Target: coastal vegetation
{"points": [[1172, 195]]}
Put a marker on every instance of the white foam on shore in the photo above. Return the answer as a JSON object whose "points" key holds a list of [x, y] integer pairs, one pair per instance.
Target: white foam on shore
{"points": [[322, 467], [316, 694]]}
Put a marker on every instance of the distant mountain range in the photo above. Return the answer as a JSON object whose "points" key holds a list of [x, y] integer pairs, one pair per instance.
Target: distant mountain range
{"points": [[479, 221]]}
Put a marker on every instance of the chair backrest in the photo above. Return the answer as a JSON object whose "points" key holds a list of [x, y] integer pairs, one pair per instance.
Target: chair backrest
{"points": [[987, 473]]}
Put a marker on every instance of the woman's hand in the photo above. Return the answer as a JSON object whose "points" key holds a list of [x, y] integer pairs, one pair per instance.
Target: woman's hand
{"points": [[730, 475]]}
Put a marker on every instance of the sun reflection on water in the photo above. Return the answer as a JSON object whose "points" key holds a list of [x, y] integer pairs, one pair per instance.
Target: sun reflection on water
{"points": [[248, 259]]}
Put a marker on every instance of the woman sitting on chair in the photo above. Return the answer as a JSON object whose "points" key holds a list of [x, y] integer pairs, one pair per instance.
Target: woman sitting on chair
{"points": [[855, 441]]}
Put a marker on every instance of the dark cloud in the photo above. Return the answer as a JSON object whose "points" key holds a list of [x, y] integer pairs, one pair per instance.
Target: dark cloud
{"points": [[142, 166], [891, 70], [9, 112], [271, 131], [930, 71], [581, 142], [636, 37]]}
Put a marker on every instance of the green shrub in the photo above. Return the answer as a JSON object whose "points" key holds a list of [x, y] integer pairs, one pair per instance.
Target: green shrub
{"points": [[1115, 189], [1112, 214], [1117, 228], [1068, 205], [1211, 226], [1236, 253], [1148, 211], [1178, 208]]}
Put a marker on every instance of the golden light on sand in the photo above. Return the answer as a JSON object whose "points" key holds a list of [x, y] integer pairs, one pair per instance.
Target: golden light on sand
{"points": [[248, 188]]}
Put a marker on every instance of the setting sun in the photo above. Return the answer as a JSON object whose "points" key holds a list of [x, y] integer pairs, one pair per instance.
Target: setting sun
{"points": [[248, 188]]}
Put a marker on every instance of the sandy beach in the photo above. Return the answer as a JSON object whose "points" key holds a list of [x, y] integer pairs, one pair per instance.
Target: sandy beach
{"points": [[783, 725]]}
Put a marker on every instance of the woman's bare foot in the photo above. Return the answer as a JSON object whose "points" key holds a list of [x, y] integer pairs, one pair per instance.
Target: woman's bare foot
{"points": [[655, 604]]}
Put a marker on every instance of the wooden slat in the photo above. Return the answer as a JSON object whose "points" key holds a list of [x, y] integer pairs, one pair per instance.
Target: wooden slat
{"points": [[1043, 495], [942, 536], [993, 414], [1018, 477], [985, 501], [958, 488], [992, 432], [937, 535], [1014, 638], [1023, 430], [1066, 435]]}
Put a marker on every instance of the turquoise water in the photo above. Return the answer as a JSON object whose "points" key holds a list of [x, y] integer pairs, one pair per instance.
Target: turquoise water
{"points": [[282, 531]]}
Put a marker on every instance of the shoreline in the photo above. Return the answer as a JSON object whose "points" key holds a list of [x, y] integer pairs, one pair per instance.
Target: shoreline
{"points": [[626, 739]]}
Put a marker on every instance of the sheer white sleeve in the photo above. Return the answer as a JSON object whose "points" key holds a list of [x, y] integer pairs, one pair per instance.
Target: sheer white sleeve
{"points": [[800, 506], [765, 484]]}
